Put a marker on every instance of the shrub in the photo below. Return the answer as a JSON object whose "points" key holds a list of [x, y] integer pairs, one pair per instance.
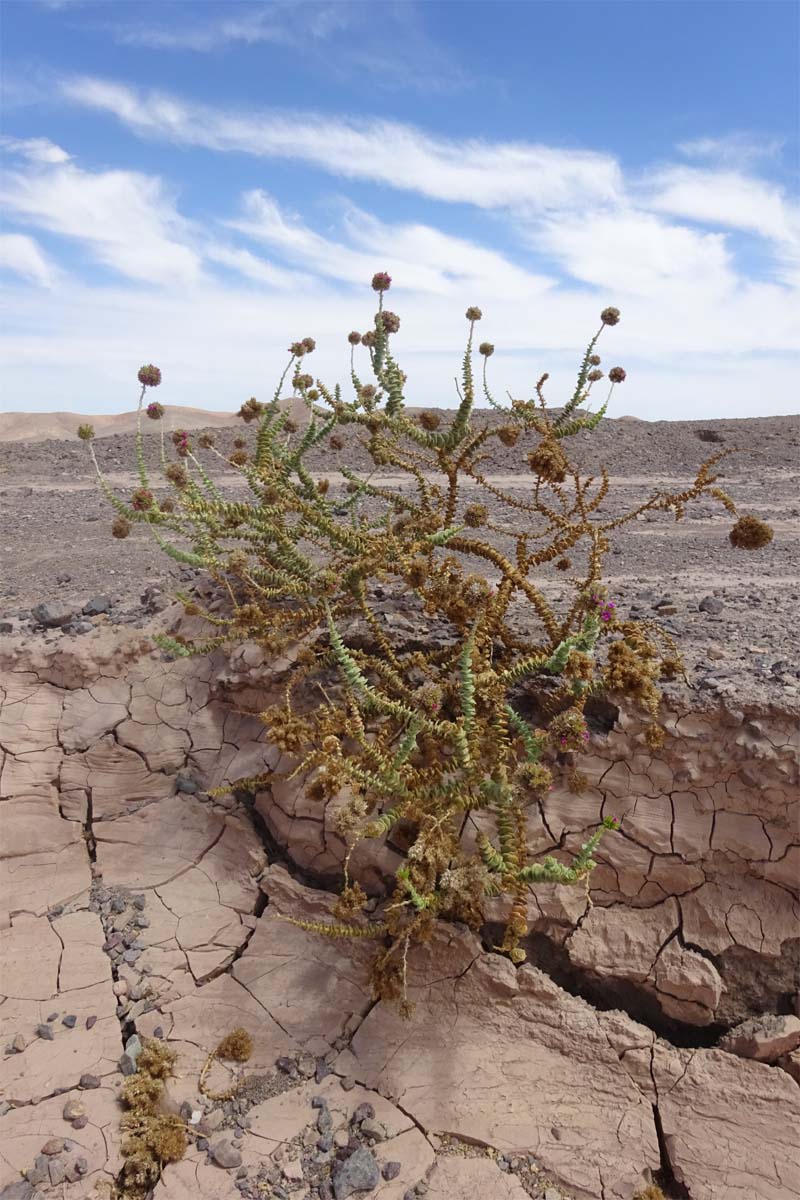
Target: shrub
{"points": [[423, 736]]}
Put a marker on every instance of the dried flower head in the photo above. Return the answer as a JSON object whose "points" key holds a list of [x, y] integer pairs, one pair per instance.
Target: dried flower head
{"points": [[548, 461], [149, 376], [313, 394], [610, 316], [335, 443], [86, 432], [154, 410], [238, 458], [381, 282], [389, 321], [303, 382], [563, 564], [239, 443], [309, 344], [167, 505], [250, 410], [476, 515], [367, 392], [368, 338], [297, 349], [354, 338], [206, 441], [508, 434], [430, 421], [594, 360], [593, 376], [486, 349], [473, 313], [142, 500], [751, 533], [176, 474], [617, 375], [121, 527]]}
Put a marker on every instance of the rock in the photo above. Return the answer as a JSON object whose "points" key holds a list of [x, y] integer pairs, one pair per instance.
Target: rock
{"points": [[73, 1109], [45, 1032], [80, 1122], [712, 605], [18, 1043], [390, 1170], [88, 1082], [225, 1154], [91, 1022], [95, 606], [78, 627], [52, 615], [57, 1171], [6, 627], [358, 1173], [373, 1129], [765, 1039], [185, 783], [69, 1021], [54, 1146], [127, 1062]]}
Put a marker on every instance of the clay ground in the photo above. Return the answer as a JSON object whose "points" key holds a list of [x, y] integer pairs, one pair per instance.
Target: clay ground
{"points": [[652, 1035]]}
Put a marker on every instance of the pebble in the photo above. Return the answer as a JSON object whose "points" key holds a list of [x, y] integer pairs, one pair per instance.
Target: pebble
{"points": [[391, 1170], [52, 1017], [711, 604], [364, 1112], [44, 1031], [358, 1173], [57, 1172], [225, 1154], [341, 1139], [373, 1129], [18, 1043], [348, 1083], [72, 1110], [54, 1146], [91, 1022], [80, 1122], [97, 605], [69, 1021], [88, 1081]]}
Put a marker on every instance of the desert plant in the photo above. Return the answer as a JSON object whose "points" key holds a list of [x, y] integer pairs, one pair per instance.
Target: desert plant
{"points": [[437, 738]]}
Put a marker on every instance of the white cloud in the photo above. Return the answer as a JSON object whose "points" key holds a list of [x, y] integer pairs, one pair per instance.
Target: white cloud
{"points": [[725, 197], [40, 150], [736, 148], [123, 217], [25, 257], [637, 253], [523, 175]]}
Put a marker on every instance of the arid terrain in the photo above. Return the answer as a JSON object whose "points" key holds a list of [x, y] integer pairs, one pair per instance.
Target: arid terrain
{"points": [[652, 1036]]}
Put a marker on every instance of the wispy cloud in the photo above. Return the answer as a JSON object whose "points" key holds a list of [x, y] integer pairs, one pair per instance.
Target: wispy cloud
{"points": [[737, 149], [524, 175], [23, 256], [40, 150], [125, 219]]}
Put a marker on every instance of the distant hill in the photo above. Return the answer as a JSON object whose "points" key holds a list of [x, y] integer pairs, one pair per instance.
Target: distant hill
{"points": [[43, 427]]}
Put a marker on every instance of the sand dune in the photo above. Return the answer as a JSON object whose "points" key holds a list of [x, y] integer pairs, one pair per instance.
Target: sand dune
{"points": [[42, 427]]}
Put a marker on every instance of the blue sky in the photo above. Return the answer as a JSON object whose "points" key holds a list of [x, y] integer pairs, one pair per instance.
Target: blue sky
{"points": [[199, 184]]}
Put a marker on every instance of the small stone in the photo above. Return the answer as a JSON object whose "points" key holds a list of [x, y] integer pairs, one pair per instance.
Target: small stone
{"points": [[341, 1139], [364, 1112], [18, 1043], [358, 1173], [54, 1146], [373, 1129], [80, 1122], [118, 904], [158, 1032], [391, 1170], [120, 987], [6, 627], [185, 783], [285, 1064], [225, 1154], [325, 1143], [72, 1110], [82, 1165], [57, 1172], [324, 1120], [45, 1032], [52, 1017], [306, 1065], [138, 902], [97, 605], [293, 1171], [348, 1083], [130, 956], [712, 605], [52, 615], [88, 1082], [321, 1071]]}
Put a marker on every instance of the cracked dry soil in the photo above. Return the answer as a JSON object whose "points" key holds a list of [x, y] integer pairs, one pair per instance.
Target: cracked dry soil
{"points": [[653, 1033]]}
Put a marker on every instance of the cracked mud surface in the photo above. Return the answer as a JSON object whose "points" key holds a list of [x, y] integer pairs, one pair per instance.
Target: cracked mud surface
{"points": [[132, 902]]}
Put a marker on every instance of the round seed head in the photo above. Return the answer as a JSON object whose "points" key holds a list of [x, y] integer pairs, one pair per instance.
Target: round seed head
{"points": [[149, 375], [473, 313], [616, 375], [610, 316], [486, 349], [381, 282]]}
